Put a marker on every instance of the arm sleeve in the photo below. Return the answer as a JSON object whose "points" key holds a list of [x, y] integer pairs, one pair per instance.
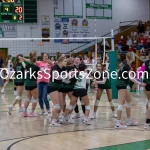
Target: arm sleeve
{"points": [[140, 71], [24, 65]]}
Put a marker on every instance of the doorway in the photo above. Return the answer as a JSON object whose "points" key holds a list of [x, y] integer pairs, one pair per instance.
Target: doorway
{"points": [[4, 54]]}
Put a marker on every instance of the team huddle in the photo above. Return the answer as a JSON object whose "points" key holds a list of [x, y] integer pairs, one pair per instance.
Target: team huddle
{"points": [[74, 84]]}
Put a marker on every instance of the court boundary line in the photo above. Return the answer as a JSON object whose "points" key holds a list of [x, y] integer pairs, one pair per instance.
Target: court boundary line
{"points": [[30, 137]]}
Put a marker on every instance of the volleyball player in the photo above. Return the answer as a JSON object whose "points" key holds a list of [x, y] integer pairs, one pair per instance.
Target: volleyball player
{"points": [[124, 74], [54, 90], [9, 72], [146, 68], [103, 83], [68, 84], [19, 68], [78, 60], [31, 85], [79, 91]]}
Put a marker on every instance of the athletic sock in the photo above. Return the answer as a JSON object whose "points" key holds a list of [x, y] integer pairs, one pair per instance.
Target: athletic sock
{"points": [[54, 120], [129, 119], [118, 122], [86, 118], [68, 117], [11, 106]]}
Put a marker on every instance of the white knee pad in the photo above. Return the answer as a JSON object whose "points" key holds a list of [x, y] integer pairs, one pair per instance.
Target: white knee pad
{"points": [[120, 107], [111, 104], [87, 107], [96, 102], [147, 103], [70, 107], [57, 106], [34, 101], [128, 105], [28, 100], [18, 98]]}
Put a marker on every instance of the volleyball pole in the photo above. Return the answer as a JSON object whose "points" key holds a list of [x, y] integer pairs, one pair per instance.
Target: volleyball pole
{"points": [[113, 67]]}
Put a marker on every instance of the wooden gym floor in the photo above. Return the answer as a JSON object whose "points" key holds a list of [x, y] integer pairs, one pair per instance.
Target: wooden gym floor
{"points": [[17, 133]]}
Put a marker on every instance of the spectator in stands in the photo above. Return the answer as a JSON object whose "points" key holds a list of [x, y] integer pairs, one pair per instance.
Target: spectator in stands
{"points": [[52, 60], [147, 32], [143, 45], [107, 46], [135, 41], [93, 58], [143, 40], [140, 27], [122, 47], [129, 41], [133, 34], [86, 59]]}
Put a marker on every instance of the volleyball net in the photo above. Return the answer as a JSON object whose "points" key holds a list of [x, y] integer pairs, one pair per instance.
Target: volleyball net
{"points": [[53, 46]]}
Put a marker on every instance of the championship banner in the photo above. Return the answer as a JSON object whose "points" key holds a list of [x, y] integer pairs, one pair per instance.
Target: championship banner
{"points": [[100, 9], [45, 28]]}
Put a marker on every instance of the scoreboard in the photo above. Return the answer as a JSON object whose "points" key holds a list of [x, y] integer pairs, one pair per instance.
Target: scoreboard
{"points": [[18, 11]]}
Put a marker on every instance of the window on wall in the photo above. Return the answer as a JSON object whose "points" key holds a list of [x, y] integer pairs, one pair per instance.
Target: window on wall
{"points": [[68, 8]]}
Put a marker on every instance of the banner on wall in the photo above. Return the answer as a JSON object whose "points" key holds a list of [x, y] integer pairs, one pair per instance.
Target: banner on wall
{"points": [[45, 28], [79, 28], [73, 28], [98, 9], [65, 30], [85, 30], [58, 29], [8, 31]]}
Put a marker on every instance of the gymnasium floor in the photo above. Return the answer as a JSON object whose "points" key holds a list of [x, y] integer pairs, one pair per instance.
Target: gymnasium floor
{"points": [[17, 133]]}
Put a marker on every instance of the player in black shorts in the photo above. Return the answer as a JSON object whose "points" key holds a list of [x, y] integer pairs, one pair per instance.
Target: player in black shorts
{"points": [[79, 91], [68, 83], [124, 74], [79, 60], [147, 90], [103, 83], [19, 68], [31, 85], [54, 89]]}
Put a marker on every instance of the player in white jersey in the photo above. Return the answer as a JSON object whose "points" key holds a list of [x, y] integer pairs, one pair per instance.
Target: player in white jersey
{"points": [[9, 72], [79, 91]]}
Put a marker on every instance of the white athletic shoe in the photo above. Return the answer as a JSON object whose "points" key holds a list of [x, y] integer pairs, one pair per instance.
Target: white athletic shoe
{"points": [[132, 123], [87, 121], [147, 126], [70, 121], [77, 115], [121, 126], [46, 113], [93, 116], [42, 112], [55, 124], [10, 110], [2, 91], [21, 109], [114, 115]]}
